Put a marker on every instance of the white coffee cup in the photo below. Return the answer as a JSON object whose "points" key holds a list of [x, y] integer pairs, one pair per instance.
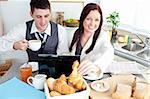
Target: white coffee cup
{"points": [[34, 45], [37, 81], [93, 75]]}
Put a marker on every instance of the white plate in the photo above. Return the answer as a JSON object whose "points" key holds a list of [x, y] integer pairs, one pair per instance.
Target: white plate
{"points": [[34, 65], [93, 77], [147, 77], [100, 86]]}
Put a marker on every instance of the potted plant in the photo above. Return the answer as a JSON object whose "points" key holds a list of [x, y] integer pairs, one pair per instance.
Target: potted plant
{"points": [[113, 19]]}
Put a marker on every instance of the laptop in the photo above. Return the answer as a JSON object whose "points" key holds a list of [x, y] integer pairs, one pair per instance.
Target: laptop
{"points": [[55, 65]]}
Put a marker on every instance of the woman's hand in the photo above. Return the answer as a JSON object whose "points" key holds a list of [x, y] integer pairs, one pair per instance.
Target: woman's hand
{"points": [[87, 67], [21, 45]]}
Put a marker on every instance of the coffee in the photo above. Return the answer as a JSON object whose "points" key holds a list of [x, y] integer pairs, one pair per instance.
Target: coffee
{"points": [[34, 45]]}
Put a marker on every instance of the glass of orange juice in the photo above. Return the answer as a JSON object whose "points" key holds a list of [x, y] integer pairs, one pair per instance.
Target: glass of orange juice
{"points": [[25, 72]]}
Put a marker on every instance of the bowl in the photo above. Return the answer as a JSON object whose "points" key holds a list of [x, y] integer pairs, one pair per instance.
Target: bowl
{"points": [[71, 23], [34, 65], [100, 86], [77, 95]]}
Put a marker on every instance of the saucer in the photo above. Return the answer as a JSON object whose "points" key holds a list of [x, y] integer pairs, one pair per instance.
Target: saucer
{"points": [[93, 77], [100, 86], [35, 66]]}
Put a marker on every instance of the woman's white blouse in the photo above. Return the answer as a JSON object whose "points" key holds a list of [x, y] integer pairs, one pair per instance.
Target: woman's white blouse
{"points": [[102, 54]]}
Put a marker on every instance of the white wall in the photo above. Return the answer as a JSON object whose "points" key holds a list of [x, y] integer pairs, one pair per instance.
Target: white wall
{"points": [[92, 1], [1, 26], [13, 13], [134, 15], [17, 11], [70, 9]]}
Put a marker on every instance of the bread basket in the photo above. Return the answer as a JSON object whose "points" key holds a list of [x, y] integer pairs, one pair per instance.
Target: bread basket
{"points": [[78, 95]]}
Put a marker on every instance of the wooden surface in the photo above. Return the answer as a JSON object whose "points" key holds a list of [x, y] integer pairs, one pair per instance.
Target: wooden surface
{"points": [[125, 79]]}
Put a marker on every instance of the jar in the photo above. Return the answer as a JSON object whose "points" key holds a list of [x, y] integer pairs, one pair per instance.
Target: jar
{"points": [[60, 18]]}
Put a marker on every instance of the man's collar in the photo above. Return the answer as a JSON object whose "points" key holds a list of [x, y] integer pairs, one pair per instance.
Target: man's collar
{"points": [[34, 29]]}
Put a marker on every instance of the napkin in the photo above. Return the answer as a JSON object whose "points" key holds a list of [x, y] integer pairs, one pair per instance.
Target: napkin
{"points": [[16, 89], [123, 68]]}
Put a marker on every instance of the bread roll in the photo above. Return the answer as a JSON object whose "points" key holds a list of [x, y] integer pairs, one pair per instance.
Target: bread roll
{"points": [[123, 91], [142, 91]]}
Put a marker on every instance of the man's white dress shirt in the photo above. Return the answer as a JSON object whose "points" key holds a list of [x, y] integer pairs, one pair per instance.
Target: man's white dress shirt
{"points": [[19, 33]]}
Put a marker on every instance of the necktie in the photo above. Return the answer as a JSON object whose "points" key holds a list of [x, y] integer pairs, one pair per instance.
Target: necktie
{"points": [[41, 36]]}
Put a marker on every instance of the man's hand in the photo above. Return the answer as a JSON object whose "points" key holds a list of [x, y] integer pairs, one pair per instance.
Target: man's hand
{"points": [[21, 45]]}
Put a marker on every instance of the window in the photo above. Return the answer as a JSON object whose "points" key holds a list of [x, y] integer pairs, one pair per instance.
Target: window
{"points": [[134, 15]]}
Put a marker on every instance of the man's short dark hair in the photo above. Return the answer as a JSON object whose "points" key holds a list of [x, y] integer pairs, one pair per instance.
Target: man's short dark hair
{"points": [[39, 4]]}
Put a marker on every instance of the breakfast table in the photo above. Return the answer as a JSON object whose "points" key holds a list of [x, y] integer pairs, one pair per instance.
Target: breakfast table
{"points": [[112, 80]]}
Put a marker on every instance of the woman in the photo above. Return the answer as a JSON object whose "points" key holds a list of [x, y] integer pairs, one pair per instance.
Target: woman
{"points": [[91, 42]]}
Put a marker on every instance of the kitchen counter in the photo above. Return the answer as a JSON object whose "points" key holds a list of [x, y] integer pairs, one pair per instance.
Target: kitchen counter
{"points": [[131, 55]]}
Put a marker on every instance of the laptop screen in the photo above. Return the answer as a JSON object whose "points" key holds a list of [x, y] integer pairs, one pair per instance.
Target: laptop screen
{"points": [[55, 65]]}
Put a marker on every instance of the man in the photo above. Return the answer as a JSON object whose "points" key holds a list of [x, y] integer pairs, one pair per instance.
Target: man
{"points": [[52, 35]]}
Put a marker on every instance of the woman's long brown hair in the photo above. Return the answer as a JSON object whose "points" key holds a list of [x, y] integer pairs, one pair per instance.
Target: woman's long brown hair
{"points": [[78, 33]]}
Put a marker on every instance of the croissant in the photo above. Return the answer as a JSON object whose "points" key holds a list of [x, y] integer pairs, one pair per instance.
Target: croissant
{"points": [[63, 77], [80, 85], [75, 64], [75, 79], [50, 83], [75, 82], [54, 93], [61, 86]]}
